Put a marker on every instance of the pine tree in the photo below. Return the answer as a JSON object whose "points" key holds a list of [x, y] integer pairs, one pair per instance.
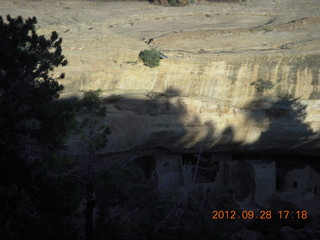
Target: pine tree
{"points": [[33, 122], [92, 132]]}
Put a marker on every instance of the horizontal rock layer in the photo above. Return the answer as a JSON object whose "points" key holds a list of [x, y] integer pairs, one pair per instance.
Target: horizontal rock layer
{"points": [[201, 97]]}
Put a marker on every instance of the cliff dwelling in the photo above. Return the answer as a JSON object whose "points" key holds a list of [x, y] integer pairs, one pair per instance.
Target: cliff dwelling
{"points": [[254, 182], [221, 111]]}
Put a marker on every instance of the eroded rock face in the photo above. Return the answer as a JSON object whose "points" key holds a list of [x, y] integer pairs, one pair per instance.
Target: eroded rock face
{"points": [[201, 97]]}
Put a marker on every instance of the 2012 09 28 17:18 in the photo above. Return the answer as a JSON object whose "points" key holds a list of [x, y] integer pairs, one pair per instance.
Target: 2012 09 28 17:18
{"points": [[262, 214]]}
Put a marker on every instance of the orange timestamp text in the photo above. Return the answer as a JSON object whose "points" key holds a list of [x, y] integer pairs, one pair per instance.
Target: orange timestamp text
{"points": [[262, 214]]}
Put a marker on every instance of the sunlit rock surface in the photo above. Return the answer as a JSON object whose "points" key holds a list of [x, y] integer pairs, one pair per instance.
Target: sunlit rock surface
{"points": [[200, 97]]}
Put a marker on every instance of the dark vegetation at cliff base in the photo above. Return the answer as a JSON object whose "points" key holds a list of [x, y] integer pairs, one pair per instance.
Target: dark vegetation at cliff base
{"points": [[48, 190]]}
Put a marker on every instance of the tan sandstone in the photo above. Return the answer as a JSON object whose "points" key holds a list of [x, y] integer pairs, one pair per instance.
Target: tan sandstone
{"points": [[200, 97]]}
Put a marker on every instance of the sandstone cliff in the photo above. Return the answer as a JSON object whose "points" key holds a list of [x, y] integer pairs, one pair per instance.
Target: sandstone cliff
{"points": [[200, 97]]}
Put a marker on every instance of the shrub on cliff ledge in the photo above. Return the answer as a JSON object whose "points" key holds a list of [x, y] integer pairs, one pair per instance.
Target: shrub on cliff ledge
{"points": [[173, 3], [150, 58], [262, 85]]}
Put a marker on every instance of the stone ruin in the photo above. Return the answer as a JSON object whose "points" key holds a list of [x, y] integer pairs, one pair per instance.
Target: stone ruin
{"points": [[254, 181]]}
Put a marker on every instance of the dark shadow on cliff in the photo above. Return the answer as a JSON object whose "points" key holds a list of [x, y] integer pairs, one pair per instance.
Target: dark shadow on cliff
{"points": [[131, 206], [286, 141], [163, 121], [143, 127], [284, 123]]}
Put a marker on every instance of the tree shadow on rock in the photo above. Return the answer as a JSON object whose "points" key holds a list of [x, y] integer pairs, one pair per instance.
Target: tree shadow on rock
{"points": [[156, 124], [284, 123], [160, 120]]}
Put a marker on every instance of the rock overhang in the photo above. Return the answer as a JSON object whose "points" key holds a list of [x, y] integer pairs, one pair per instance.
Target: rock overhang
{"points": [[211, 65]]}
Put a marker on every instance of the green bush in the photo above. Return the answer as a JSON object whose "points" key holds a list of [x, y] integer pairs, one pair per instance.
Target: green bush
{"points": [[262, 85], [174, 3], [150, 58]]}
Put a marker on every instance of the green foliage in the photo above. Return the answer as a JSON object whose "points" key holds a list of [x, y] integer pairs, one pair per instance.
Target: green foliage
{"points": [[174, 3], [58, 163], [29, 110], [113, 98], [34, 202], [42, 209], [128, 207], [131, 62], [265, 29], [131, 207], [262, 85], [58, 120], [91, 99], [92, 129], [150, 58], [26, 61], [177, 3], [55, 189]]}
